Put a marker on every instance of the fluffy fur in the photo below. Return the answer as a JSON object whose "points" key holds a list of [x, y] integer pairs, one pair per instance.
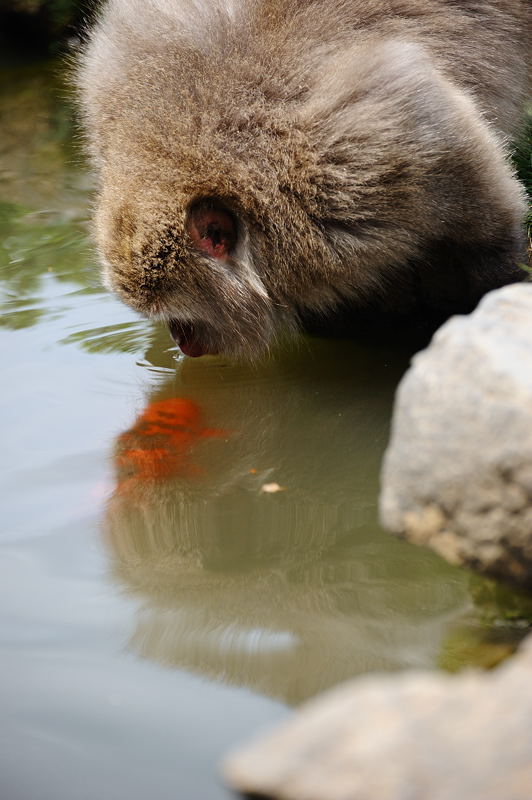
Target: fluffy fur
{"points": [[360, 146]]}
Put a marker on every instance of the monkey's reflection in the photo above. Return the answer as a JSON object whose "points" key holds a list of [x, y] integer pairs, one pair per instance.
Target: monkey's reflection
{"points": [[290, 590]]}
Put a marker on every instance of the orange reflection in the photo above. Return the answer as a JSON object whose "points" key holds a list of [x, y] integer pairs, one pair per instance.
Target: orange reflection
{"points": [[160, 443]]}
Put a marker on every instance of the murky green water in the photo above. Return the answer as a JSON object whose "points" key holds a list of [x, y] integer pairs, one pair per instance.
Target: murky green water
{"points": [[157, 603]]}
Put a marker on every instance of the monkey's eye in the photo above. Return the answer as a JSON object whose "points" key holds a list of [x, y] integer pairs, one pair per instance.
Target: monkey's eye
{"points": [[212, 229]]}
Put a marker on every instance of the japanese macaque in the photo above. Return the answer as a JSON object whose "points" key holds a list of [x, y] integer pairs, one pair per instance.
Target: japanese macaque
{"points": [[267, 164]]}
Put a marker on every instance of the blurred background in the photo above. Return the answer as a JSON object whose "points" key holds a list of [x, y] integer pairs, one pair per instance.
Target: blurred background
{"points": [[41, 27]]}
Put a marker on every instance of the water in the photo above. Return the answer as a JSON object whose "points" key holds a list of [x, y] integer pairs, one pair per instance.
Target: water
{"points": [[158, 604]]}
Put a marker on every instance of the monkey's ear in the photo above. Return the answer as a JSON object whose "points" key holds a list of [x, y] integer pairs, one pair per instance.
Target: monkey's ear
{"points": [[212, 228]]}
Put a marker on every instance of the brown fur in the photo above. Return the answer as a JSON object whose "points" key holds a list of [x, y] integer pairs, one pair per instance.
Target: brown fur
{"points": [[361, 146]]}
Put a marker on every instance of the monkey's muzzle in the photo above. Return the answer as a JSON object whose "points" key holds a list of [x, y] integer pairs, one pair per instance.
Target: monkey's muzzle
{"points": [[186, 338]]}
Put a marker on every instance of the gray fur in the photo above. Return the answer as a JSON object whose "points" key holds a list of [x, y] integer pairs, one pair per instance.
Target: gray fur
{"points": [[361, 145]]}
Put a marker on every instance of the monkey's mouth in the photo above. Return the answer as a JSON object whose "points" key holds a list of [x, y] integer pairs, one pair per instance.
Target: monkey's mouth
{"points": [[186, 337]]}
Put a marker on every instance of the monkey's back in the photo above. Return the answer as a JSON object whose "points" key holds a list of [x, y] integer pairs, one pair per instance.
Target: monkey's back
{"points": [[482, 45]]}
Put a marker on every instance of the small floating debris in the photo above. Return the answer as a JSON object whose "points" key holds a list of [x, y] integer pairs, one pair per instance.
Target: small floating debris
{"points": [[271, 488]]}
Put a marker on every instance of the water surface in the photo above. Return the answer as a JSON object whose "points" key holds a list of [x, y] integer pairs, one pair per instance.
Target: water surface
{"points": [[188, 547]]}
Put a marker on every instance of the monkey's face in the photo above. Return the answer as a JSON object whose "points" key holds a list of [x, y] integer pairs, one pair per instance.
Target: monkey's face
{"points": [[232, 221], [222, 246], [188, 262], [218, 209]]}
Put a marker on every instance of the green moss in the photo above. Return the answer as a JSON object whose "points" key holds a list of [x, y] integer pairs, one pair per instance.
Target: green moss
{"points": [[499, 605], [475, 647], [503, 619]]}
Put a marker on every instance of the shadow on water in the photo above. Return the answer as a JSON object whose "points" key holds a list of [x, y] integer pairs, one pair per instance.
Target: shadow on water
{"points": [[244, 517]]}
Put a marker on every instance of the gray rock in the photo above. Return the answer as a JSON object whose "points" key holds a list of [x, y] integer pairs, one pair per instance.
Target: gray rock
{"points": [[457, 474], [417, 736]]}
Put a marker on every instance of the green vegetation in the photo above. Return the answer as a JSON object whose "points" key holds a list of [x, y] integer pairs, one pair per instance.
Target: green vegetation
{"points": [[59, 13], [41, 25], [504, 617]]}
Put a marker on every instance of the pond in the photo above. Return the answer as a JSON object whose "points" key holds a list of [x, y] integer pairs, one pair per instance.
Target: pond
{"points": [[189, 548]]}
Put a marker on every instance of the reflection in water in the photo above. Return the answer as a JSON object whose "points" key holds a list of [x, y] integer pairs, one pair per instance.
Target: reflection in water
{"points": [[160, 443], [287, 593]]}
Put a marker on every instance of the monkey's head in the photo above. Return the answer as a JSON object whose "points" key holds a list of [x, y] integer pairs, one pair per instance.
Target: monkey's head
{"points": [[245, 183], [208, 213], [195, 226]]}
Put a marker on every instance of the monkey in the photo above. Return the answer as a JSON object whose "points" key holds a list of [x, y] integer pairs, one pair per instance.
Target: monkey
{"points": [[269, 165]]}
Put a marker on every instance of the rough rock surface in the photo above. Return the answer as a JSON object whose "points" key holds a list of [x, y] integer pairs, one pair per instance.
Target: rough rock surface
{"points": [[457, 474], [418, 736]]}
